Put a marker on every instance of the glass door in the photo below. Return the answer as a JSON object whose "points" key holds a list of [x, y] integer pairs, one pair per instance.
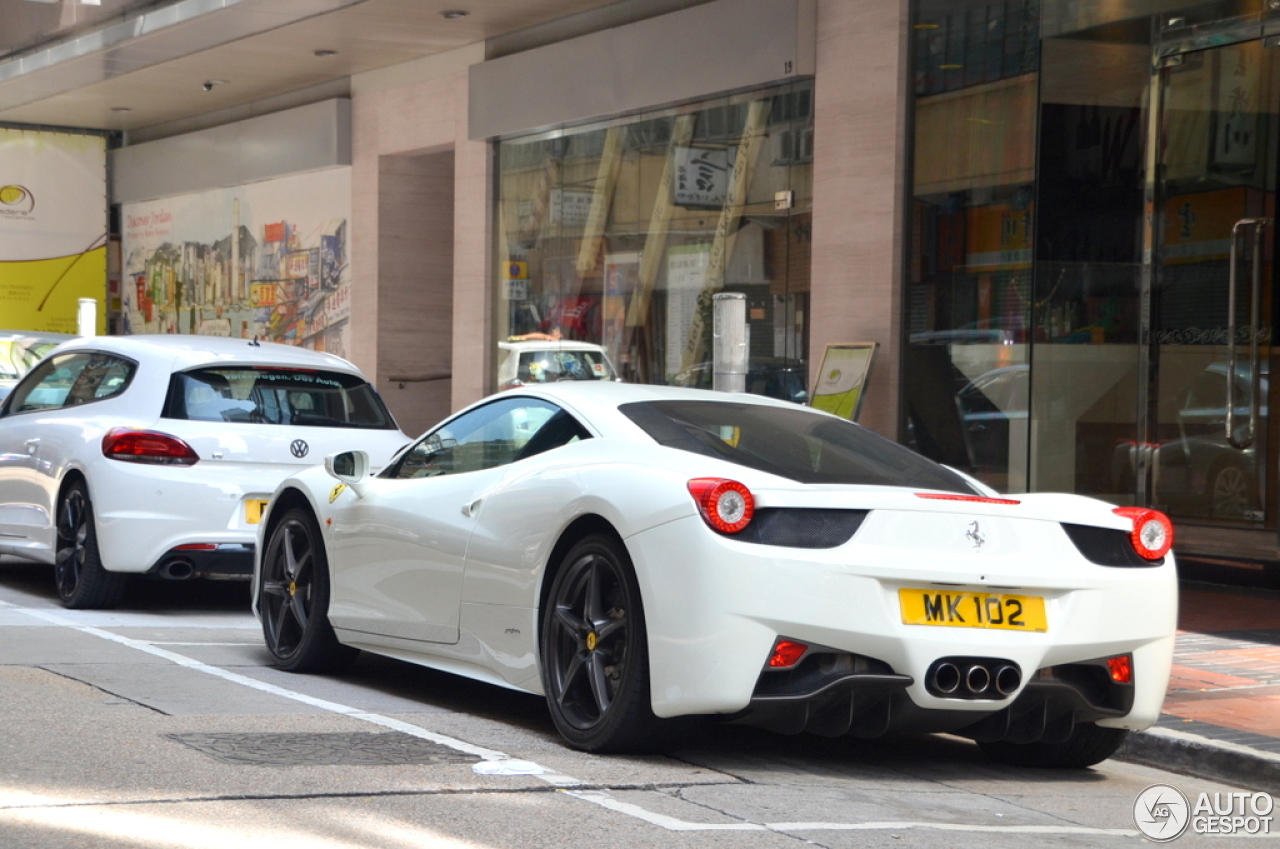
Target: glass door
{"points": [[1207, 290]]}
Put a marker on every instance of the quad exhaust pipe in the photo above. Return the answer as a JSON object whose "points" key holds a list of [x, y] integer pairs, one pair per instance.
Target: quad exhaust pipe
{"points": [[973, 678]]}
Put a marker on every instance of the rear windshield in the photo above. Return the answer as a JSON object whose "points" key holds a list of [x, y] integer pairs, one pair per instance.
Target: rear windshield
{"points": [[279, 396], [550, 366], [793, 443]]}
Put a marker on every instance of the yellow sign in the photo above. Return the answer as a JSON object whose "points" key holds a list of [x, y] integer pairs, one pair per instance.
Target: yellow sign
{"points": [[43, 295], [517, 270], [264, 294], [842, 378], [53, 235], [1197, 227]]}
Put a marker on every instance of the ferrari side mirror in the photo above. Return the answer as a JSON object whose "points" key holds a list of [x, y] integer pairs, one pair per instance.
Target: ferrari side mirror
{"points": [[350, 467]]}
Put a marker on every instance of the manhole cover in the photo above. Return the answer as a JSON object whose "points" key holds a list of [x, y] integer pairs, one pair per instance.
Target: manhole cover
{"points": [[358, 749]]}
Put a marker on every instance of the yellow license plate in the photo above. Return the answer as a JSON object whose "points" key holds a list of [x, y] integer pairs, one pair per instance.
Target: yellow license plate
{"points": [[973, 610], [253, 510]]}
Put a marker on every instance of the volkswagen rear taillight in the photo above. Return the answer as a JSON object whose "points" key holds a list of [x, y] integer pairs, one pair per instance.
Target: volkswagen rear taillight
{"points": [[147, 446]]}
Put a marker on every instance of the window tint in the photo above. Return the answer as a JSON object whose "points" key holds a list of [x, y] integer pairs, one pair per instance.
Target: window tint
{"points": [[278, 396], [791, 442], [69, 380], [493, 435]]}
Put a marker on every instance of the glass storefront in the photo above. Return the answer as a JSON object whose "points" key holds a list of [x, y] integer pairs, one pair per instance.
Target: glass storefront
{"points": [[618, 234], [969, 294], [1092, 292]]}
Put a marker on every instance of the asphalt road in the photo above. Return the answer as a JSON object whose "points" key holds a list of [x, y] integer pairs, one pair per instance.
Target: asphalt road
{"points": [[162, 725]]}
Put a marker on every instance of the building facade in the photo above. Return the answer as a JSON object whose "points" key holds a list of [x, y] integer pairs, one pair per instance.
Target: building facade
{"points": [[1053, 217]]}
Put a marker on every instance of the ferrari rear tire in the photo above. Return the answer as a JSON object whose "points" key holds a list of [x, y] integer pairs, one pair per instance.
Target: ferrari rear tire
{"points": [[82, 582], [595, 655], [293, 599], [1088, 744]]}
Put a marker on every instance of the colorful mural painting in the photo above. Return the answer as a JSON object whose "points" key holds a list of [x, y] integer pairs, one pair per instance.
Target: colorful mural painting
{"points": [[53, 229], [268, 259]]}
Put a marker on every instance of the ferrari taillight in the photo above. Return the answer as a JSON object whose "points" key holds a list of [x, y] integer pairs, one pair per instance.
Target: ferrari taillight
{"points": [[1120, 668], [147, 446], [786, 654], [1152, 534], [725, 505]]}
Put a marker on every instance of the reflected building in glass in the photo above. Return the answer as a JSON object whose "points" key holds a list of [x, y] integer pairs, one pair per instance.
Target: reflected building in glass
{"points": [[1089, 297]]}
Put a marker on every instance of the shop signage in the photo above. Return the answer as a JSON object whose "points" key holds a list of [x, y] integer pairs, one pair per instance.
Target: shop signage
{"points": [[517, 290], [702, 175], [264, 294], [570, 208]]}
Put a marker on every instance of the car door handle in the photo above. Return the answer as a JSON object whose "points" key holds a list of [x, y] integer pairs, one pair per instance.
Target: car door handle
{"points": [[32, 445], [470, 509]]}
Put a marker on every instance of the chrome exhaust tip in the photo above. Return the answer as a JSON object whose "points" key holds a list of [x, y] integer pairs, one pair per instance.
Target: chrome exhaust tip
{"points": [[977, 679], [946, 678], [1008, 678]]}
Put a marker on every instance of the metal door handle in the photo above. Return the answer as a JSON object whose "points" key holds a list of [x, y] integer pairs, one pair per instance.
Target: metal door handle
{"points": [[470, 509], [1255, 307]]}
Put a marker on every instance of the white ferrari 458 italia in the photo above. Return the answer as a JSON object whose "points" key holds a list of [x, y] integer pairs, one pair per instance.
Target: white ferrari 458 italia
{"points": [[157, 454], [647, 556]]}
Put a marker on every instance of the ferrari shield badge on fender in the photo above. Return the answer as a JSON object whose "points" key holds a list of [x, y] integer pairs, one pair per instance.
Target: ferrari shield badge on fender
{"points": [[336, 491]]}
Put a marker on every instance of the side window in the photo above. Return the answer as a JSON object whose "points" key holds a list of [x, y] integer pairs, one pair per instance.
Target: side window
{"points": [[48, 386], [493, 435], [102, 377]]}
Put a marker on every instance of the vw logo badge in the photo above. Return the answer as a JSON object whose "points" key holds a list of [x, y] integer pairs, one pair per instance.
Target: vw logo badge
{"points": [[298, 448]]}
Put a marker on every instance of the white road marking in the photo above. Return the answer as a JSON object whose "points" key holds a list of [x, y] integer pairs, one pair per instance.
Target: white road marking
{"points": [[604, 800], [564, 782]]}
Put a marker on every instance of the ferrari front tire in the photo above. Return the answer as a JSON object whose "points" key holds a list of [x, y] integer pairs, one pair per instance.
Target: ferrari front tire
{"points": [[595, 657], [293, 599], [77, 567], [1088, 744]]}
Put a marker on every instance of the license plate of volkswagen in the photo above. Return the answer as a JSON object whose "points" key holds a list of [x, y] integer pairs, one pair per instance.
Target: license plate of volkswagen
{"points": [[253, 510]]}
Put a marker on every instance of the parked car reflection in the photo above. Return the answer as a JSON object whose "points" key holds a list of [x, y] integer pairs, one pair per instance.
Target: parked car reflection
{"points": [[1201, 472]]}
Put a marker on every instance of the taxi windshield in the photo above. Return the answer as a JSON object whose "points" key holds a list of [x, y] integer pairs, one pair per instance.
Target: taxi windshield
{"points": [[550, 366]]}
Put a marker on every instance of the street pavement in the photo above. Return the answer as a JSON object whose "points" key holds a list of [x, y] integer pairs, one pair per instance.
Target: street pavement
{"points": [[162, 725]]}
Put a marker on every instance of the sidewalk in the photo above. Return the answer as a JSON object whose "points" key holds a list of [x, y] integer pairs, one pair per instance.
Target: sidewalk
{"points": [[1221, 716]]}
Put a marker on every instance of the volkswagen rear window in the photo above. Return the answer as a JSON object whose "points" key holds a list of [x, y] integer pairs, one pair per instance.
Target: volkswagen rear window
{"points": [[278, 396], [793, 443]]}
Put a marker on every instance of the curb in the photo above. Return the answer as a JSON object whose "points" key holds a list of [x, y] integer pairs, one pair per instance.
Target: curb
{"points": [[1203, 757]]}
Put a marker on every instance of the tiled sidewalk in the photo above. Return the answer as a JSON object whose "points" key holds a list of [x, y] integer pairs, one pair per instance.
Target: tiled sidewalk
{"points": [[1221, 716], [1226, 674]]}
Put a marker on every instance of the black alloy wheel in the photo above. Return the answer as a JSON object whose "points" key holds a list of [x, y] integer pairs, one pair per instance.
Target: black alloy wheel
{"points": [[77, 568], [293, 599], [595, 660]]}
